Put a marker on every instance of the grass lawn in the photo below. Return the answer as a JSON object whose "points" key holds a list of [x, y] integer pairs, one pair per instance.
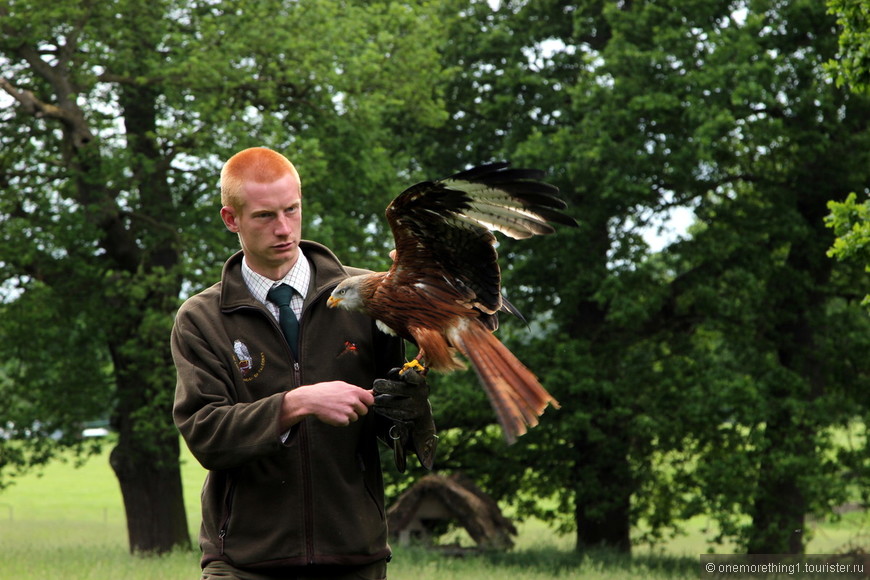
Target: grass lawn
{"points": [[69, 523]]}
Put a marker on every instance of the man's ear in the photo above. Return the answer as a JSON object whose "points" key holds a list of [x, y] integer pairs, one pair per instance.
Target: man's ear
{"points": [[228, 214]]}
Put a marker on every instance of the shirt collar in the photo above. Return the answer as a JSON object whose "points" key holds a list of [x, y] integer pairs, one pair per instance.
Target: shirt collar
{"points": [[298, 278]]}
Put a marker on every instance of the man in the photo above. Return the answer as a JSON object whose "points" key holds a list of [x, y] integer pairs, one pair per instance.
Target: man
{"points": [[273, 397]]}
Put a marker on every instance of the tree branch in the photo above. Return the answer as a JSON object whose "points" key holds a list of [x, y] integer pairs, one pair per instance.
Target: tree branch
{"points": [[66, 110], [30, 103], [71, 117]]}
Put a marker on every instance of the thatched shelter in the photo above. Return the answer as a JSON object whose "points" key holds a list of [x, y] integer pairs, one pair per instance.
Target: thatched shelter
{"points": [[437, 499]]}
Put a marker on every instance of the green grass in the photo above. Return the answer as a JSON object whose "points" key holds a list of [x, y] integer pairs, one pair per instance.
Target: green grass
{"points": [[69, 523]]}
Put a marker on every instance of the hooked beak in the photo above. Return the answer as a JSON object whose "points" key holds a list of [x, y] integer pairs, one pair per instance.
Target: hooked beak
{"points": [[332, 302]]}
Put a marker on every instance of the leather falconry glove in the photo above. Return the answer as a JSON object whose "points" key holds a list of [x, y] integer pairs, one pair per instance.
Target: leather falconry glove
{"points": [[404, 400]]}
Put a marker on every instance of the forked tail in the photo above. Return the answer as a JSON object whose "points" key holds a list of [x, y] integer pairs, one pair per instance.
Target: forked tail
{"points": [[515, 393]]}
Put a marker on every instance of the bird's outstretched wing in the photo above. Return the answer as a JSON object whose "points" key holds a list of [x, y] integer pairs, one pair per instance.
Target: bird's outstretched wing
{"points": [[444, 228]]}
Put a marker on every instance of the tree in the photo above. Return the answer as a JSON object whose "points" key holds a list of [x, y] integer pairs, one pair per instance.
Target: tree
{"points": [[117, 118], [800, 142], [636, 108]]}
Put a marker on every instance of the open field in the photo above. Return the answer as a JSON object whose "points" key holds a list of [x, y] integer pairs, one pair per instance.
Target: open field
{"points": [[69, 523]]}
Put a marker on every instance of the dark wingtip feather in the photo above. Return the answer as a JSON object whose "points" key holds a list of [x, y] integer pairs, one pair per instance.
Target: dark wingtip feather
{"points": [[508, 307], [526, 185], [556, 216]]}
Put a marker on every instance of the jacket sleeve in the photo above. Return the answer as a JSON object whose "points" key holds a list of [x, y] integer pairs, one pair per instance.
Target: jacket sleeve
{"points": [[221, 432]]}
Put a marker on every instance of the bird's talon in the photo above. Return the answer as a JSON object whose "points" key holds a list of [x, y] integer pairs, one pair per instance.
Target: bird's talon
{"points": [[415, 365]]}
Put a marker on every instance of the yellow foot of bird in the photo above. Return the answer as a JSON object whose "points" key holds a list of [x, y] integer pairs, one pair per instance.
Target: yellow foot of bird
{"points": [[415, 365]]}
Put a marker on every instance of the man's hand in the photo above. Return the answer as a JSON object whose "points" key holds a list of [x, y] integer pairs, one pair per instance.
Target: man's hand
{"points": [[335, 403], [404, 399]]}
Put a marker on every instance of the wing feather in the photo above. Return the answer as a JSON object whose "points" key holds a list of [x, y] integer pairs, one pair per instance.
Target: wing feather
{"points": [[443, 229]]}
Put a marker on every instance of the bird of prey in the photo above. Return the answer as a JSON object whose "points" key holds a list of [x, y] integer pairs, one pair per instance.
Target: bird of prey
{"points": [[443, 290]]}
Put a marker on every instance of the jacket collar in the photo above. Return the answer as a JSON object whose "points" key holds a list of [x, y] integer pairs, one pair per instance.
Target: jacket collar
{"points": [[326, 272]]}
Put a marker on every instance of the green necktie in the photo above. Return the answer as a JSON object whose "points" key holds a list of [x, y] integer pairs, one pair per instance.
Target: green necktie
{"points": [[281, 296]]}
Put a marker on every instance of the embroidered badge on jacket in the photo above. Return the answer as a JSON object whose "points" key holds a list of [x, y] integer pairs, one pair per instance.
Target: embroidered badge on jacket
{"points": [[349, 348], [245, 361]]}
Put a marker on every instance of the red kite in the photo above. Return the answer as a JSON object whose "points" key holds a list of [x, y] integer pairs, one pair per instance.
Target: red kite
{"points": [[443, 291]]}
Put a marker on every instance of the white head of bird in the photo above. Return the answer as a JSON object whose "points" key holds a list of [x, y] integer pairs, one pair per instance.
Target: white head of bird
{"points": [[347, 294]]}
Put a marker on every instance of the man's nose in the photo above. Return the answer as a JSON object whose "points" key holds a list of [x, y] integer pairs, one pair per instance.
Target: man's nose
{"points": [[283, 226]]}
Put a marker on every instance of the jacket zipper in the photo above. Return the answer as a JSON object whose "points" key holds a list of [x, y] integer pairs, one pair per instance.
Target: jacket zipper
{"points": [[225, 524], [307, 485]]}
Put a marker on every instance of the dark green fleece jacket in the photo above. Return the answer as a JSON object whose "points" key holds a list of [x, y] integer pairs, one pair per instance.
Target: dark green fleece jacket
{"points": [[317, 498]]}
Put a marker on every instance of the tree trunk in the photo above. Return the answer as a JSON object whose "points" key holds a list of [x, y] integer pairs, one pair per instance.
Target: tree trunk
{"points": [[780, 507], [602, 477], [777, 519], [150, 481], [603, 499], [146, 459]]}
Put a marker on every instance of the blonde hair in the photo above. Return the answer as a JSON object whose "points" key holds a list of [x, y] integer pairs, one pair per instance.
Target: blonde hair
{"points": [[257, 164]]}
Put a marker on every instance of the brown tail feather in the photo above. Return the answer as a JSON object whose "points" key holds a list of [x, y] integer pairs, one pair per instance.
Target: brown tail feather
{"points": [[513, 390]]}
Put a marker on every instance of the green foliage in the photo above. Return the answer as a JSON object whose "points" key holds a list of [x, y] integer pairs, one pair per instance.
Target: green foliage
{"points": [[850, 221], [852, 67], [698, 379], [695, 380], [120, 115], [51, 351]]}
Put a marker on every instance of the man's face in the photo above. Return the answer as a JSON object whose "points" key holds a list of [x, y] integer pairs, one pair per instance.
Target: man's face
{"points": [[269, 225]]}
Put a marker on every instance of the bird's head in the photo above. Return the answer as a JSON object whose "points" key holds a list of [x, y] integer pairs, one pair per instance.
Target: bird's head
{"points": [[347, 294]]}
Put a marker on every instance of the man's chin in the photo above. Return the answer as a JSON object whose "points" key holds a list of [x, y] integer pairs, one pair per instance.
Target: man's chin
{"points": [[287, 253]]}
